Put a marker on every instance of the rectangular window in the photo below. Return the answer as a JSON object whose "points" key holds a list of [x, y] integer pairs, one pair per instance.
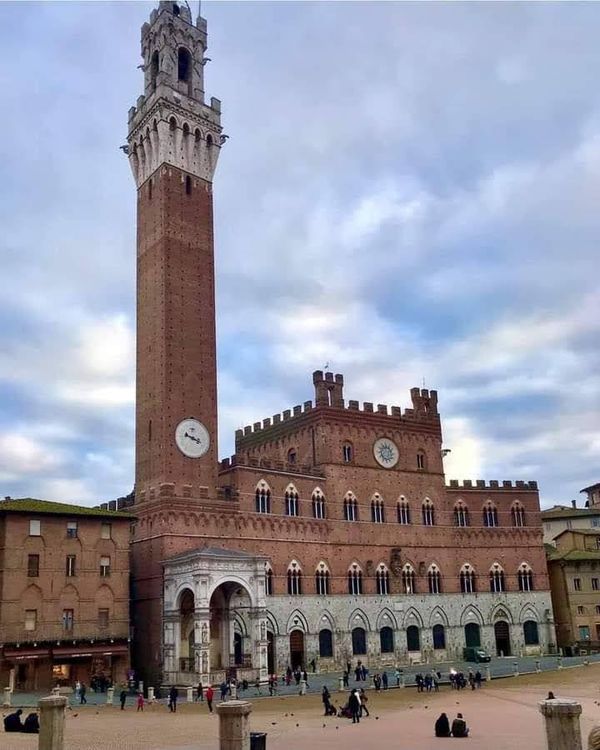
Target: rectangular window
{"points": [[30, 619], [598, 609], [577, 584], [584, 633], [580, 610], [102, 618], [598, 631], [105, 531], [68, 620], [105, 567], [35, 528], [598, 542], [595, 584], [70, 566], [72, 529], [33, 566]]}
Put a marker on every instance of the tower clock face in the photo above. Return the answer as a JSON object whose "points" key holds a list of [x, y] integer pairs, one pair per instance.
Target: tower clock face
{"points": [[192, 438], [386, 452]]}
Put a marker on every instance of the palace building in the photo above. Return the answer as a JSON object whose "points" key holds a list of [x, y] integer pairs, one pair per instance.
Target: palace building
{"points": [[331, 534]]}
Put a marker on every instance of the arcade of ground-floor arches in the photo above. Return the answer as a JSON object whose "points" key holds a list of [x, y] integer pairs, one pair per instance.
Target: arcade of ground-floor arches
{"points": [[219, 622]]}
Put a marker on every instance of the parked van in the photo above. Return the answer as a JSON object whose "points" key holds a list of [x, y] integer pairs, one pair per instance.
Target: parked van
{"points": [[477, 655]]}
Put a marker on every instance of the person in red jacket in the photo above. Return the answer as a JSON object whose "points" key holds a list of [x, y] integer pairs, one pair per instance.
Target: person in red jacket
{"points": [[210, 694]]}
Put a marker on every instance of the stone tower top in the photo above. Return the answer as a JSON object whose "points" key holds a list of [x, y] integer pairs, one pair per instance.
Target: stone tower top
{"points": [[171, 123]]}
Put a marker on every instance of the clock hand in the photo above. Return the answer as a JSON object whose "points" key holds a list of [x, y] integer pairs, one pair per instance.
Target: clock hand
{"points": [[191, 437]]}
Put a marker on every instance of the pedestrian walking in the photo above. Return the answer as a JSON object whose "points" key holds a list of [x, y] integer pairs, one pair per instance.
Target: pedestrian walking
{"points": [[82, 691], [200, 696], [363, 703], [140, 702], [354, 706], [173, 699], [210, 694], [384, 680], [123, 698]]}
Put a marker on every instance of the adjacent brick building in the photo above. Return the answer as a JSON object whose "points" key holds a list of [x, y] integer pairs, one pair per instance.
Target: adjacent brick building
{"points": [[331, 533], [64, 594]]}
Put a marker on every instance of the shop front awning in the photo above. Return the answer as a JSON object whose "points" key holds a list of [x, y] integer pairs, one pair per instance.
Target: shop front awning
{"points": [[20, 654], [87, 651]]}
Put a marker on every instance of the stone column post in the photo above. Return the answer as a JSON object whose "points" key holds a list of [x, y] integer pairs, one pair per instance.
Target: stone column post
{"points": [[52, 722], [488, 674], [190, 694], [150, 694], [202, 663], [341, 687], [110, 694], [562, 724], [11, 680], [516, 668], [7, 697], [234, 725], [171, 629]]}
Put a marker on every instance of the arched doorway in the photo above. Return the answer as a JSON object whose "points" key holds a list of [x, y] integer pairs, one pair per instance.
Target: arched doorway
{"points": [[270, 652], [186, 631], [226, 643], [297, 648], [502, 633], [472, 635]]}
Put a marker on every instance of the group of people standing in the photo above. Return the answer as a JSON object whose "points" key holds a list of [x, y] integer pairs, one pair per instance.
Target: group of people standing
{"points": [[458, 681], [428, 682]]}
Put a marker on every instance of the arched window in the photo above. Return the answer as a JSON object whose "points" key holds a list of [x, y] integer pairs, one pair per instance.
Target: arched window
{"points": [[386, 640], [408, 579], [291, 501], [197, 135], [496, 579], [350, 507], [461, 514], [292, 456], [439, 637], [403, 511], [383, 580], [325, 644], [421, 461], [154, 66], [490, 515], [322, 580], [268, 580], [472, 635], [530, 633], [359, 642], [172, 123], [377, 509], [354, 580], [467, 579], [184, 64], [318, 504], [434, 579], [263, 498], [518, 514], [347, 453], [294, 579], [428, 513], [413, 638], [188, 185], [209, 140], [525, 577]]}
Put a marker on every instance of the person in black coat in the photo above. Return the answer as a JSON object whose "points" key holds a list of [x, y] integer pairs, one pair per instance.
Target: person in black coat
{"points": [[442, 726], [354, 706], [459, 727], [31, 724], [12, 722], [173, 699], [123, 698]]}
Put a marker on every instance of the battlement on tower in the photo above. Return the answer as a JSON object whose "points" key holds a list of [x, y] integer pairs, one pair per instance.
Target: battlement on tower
{"points": [[492, 484]]}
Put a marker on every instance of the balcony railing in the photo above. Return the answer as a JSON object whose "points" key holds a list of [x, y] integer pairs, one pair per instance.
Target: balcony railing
{"points": [[16, 633]]}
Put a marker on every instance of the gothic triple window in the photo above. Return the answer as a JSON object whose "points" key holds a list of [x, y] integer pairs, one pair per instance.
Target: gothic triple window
{"points": [[421, 463], [347, 453], [322, 578], [518, 514], [490, 515], [467, 579], [461, 514], [408, 579], [382, 578], [428, 513], [268, 580], [291, 501], [525, 577], [350, 508], [403, 510], [434, 579], [294, 579], [318, 504], [355, 580], [377, 510], [263, 498], [497, 579]]}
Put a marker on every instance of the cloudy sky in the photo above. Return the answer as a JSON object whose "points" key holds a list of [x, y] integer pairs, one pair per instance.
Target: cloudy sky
{"points": [[410, 192]]}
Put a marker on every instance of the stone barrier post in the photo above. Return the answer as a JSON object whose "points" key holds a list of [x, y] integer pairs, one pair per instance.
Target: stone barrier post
{"points": [[234, 725], [488, 674], [52, 722], [341, 687], [560, 665], [562, 724], [190, 694], [140, 687], [516, 668], [150, 693], [7, 697], [402, 683], [11, 680], [234, 689], [110, 694], [537, 666], [55, 690], [302, 687]]}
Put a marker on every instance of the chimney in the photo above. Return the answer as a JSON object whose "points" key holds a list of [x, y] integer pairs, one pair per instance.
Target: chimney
{"points": [[573, 503]]}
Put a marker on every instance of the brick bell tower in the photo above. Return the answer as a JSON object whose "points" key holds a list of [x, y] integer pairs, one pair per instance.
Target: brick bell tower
{"points": [[174, 139]]}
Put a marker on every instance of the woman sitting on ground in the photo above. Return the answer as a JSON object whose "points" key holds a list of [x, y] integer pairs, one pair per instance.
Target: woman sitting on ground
{"points": [[442, 726]]}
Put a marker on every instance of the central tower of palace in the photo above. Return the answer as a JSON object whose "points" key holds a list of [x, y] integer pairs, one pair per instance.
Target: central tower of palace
{"points": [[174, 139]]}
